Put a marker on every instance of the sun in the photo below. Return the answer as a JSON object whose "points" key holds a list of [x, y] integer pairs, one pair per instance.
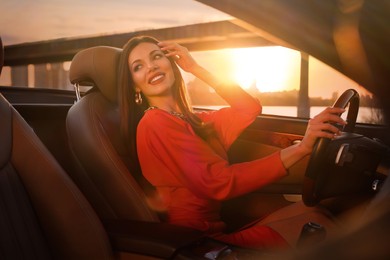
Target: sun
{"points": [[269, 68]]}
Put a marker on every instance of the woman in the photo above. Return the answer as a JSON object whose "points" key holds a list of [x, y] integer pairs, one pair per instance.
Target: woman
{"points": [[183, 154]]}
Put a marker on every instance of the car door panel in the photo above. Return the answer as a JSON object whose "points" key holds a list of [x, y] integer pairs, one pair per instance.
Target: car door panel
{"points": [[260, 139], [45, 111], [267, 135]]}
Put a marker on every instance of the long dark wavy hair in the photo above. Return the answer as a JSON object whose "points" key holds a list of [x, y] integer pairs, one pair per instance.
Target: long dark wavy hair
{"points": [[131, 113]]}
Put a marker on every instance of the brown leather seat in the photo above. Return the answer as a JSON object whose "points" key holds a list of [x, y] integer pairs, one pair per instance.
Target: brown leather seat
{"points": [[105, 172], [1, 55], [43, 215]]}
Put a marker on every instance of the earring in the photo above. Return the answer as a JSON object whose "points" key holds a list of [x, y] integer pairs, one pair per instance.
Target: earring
{"points": [[138, 98]]}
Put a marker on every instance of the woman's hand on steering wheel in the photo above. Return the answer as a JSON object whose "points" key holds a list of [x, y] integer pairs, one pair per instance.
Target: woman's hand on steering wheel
{"points": [[322, 125], [320, 132]]}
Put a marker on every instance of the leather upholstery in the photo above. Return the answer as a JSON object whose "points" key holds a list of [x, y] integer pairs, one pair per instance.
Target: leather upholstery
{"points": [[105, 173], [97, 66], [5, 134], [1, 55], [42, 213]]}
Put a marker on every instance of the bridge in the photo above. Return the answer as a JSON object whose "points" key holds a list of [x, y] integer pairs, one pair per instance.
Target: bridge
{"points": [[196, 37], [48, 57]]}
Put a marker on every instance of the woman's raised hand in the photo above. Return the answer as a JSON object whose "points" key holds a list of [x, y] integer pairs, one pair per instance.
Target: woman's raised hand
{"points": [[322, 126], [180, 54]]}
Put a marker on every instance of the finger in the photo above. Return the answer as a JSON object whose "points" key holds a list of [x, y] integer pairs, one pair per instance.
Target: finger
{"points": [[330, 128], [336, 119], [172, 53], [164, 44], [317, 129], [328, 117], [334, 110], [168, 46], [324, 134], [331, 110], [175, 53], [338, 110]]}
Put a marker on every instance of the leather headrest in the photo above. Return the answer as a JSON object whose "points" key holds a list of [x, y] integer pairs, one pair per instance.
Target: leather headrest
{"points": [[97, 66]]}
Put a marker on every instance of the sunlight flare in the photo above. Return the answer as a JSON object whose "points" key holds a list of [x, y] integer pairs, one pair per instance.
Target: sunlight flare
{"points": [[269, 68]]}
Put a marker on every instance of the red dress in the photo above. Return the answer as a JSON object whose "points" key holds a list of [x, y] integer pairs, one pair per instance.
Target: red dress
{"points": [[193, 176]]}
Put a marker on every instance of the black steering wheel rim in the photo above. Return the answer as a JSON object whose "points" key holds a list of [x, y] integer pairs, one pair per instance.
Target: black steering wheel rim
{"points": [[314, 177]]}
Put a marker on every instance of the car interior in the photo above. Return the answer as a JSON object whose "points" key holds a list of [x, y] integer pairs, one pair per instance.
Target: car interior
{"points": [[81, 198], [104, 174], [44, 215], [40, 196]]}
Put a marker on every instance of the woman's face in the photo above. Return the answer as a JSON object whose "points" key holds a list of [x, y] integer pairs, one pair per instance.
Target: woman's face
{"points": [[151, 70]]}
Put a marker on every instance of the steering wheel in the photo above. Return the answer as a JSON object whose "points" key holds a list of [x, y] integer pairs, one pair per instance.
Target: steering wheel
{"points": [[315, 175]]}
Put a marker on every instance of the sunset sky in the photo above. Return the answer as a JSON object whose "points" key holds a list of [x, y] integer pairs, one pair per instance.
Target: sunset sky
{"points": [[274, 69], [271, 68], [26, 20]]}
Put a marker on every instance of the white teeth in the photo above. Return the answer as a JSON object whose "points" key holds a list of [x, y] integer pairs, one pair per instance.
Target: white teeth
{"points": [[156, 78]]}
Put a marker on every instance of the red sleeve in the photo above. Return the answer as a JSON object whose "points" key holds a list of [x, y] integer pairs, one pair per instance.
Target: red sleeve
{"points": [[171, 154], [229, 122]]}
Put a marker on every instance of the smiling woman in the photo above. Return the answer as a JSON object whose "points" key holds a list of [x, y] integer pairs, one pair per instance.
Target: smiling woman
{"points": [[203, 169]]}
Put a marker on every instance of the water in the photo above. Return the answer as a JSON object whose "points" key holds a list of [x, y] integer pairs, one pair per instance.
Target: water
{"points": [[365, 114]]}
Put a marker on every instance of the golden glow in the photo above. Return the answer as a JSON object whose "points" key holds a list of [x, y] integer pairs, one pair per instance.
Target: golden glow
{"points": [[270, 68]]}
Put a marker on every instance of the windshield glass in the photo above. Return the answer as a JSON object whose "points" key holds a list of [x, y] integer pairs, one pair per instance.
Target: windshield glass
{"points": [[274, 74], [29, 21]]}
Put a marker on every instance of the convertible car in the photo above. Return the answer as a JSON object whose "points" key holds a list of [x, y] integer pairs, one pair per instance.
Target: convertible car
{"points": [[69, 189]]}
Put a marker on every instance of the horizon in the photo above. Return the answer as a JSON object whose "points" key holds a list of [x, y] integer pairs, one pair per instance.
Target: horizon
{"points": [[48, 19]]}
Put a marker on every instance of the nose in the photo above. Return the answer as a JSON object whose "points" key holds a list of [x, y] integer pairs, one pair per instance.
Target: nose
{"points": [[152, 66]]}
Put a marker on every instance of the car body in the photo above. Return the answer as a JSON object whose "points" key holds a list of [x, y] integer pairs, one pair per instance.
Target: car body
{"points": [[349, 36]]}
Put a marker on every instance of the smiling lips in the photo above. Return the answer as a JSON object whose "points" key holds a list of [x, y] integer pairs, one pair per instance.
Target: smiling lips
{"points": [[157, 78]]}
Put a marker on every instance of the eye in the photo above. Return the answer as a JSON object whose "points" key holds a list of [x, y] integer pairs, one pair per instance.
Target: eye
{"points": [[157, 56], [137, 67]]}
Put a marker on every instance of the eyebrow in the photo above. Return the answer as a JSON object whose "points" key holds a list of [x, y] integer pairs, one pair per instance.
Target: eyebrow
{"points": [[150, 54]]}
